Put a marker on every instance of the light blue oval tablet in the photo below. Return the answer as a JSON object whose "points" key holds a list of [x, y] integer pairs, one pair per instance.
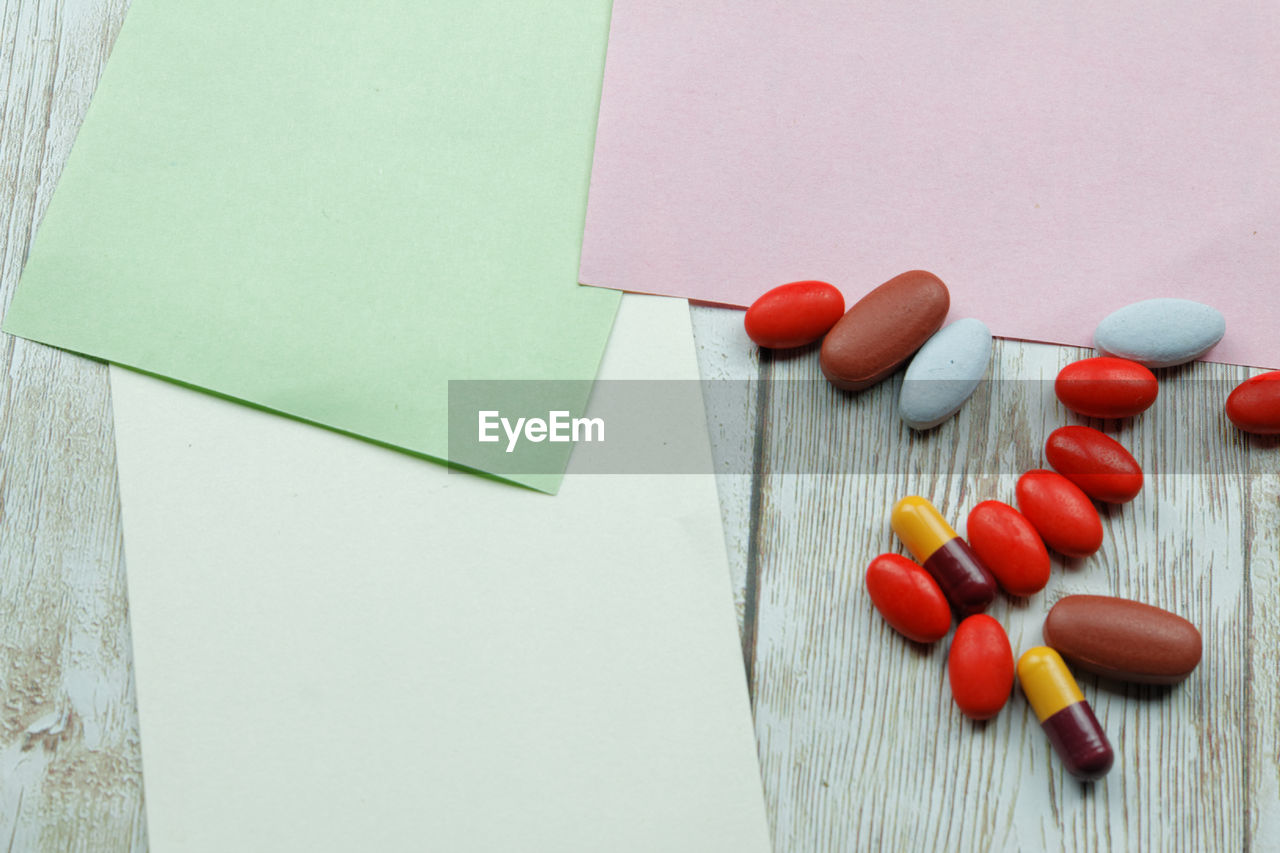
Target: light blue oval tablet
{"points": [[1160, 332], [944, 373]]}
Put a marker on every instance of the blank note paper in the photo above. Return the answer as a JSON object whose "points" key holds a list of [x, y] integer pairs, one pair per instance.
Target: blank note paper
{"points": [[1050, 161], [340, 648], [330, 209]]}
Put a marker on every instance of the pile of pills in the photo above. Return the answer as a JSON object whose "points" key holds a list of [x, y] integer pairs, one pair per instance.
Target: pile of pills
{"points": [[901, 321], [1008, 549]]}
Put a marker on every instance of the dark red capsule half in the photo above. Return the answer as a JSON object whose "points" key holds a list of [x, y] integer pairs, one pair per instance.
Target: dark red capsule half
{"points": [[967, 584], [1080, 742]]}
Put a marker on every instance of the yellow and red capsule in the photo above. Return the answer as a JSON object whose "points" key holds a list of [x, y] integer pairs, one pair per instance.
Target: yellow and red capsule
{"points": [[965, 581], [1066, 718]]}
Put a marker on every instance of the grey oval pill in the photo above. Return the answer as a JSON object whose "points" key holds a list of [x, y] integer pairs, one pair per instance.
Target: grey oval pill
{"points": [[1160, 332], [945, 373]]}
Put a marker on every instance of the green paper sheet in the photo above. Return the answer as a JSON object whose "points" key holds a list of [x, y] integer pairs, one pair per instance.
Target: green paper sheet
{"points": [[330, 209]]}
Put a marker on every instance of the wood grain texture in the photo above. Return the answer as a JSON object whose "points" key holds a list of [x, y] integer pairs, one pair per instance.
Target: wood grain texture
{"points": [[70, 775], [730, 368], [860, 744]]}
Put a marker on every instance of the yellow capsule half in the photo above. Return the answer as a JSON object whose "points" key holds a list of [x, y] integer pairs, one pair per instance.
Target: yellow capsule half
{"points": [[920, 527], [1047, 682]]}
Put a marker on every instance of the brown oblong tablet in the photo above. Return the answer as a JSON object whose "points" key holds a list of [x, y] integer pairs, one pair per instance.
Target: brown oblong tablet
{"points": [[1123, 639], [883, 329]]}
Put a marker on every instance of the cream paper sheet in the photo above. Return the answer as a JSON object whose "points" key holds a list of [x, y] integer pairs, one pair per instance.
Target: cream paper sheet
{"points": [[340, 647]]}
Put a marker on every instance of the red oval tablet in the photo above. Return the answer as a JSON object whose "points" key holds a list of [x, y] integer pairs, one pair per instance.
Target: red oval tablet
{"points": [[1061, 513], [795, 314], [1095, 462], [908, 599], [1106, 387], [1254, 406], [980, 667], [1009, 546]]}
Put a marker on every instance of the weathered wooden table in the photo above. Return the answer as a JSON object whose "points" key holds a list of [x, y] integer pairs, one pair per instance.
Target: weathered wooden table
{"points": [[860, 745]]}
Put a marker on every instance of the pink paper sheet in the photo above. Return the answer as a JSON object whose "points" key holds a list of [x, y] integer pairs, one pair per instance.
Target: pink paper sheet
{"points": [[1050, 161]]}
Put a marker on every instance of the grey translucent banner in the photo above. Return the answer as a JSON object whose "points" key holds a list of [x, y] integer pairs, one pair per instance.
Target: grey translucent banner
{"points": [[810, 427]]}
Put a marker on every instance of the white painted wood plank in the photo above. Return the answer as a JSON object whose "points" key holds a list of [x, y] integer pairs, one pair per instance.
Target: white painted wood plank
{"points": [[860, 742], [70, 776], [1262, 694], [729, 364]]}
